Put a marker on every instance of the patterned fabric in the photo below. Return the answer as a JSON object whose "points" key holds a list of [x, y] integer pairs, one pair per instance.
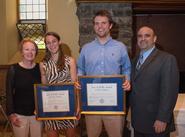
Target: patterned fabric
{"points": [[55, 76], [140, 62]]}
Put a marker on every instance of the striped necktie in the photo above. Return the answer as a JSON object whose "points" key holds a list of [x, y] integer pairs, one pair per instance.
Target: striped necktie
{"points": [[139, 62]]}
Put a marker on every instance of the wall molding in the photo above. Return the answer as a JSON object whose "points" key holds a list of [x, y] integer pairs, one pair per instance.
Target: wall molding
{"points": [[148, 6], [136, 1]]}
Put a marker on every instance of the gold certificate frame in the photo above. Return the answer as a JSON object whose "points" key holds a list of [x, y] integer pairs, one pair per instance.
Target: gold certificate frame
{"points": [[102, 94], [55, 102]]}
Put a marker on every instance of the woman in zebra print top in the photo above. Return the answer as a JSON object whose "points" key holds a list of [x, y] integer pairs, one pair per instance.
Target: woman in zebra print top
{"points": [[56, 68]]}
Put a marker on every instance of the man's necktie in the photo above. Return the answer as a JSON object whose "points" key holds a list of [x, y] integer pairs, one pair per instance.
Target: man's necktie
{"points": [[139, 62]]}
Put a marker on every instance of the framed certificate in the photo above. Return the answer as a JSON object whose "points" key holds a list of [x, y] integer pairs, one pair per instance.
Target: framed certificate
{"points": [[55, 102], [102, 94]]}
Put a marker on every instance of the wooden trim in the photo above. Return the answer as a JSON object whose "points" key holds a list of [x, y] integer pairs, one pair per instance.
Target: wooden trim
{"points": [[148, 6], [4, 66], [158, 8], [134, 1]]}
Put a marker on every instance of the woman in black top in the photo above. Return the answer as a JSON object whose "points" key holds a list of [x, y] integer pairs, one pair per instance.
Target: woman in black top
{"points": [[20, 92]]}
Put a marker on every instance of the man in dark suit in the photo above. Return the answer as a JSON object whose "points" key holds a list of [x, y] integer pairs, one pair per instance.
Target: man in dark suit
{"points": [[155, 81]]}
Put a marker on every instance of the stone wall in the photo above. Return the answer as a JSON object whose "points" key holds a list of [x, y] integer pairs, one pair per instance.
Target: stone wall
{"points": [[121, 13]]}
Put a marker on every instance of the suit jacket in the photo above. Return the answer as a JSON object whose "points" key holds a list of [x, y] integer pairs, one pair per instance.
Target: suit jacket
{"points": [[154, 91]]}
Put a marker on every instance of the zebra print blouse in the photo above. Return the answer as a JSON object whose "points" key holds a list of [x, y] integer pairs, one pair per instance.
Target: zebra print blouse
{"points": [[55, 76]]}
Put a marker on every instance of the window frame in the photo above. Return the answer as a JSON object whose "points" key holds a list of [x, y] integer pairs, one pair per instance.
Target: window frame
{"points": [[43, 21]]}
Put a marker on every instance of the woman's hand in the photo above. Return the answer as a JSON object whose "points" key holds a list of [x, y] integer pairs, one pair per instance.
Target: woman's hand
{"points": [[15, 120], [78, 114], [77, 85]]}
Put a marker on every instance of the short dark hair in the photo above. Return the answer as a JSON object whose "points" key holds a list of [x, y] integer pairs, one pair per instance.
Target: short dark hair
{"points": [[104, 13], [147, 26]]}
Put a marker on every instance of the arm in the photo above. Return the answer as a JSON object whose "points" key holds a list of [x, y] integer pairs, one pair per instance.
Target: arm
{"points": [[73, 70], [81, 64], [168, 93], [73, 73], [9, 96], [10, 90], [126, 69], [169, 87], [43, 73]]}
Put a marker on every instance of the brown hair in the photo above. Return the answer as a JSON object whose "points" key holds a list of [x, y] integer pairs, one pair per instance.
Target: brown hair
{"points": [[104, 13], [61, 57], [25, 40]]}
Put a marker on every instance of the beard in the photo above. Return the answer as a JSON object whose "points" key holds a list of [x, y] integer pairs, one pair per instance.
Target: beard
{"points": [[145, 44]]}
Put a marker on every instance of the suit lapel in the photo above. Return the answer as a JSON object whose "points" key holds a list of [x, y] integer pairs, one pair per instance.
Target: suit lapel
{"points": [[145, 64]]}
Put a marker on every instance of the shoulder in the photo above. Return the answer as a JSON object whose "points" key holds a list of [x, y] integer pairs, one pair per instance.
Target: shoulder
{"points": [[89, 45], [166, 57], [71, 60], [41, 64], [13, 66], [119, 44], [165, 54]]}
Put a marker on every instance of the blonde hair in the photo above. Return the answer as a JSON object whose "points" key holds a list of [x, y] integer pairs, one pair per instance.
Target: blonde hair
{"points": [[25, 40]]}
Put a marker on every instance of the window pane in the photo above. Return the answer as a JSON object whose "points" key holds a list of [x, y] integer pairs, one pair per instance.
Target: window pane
{"points": [[29, 15], [35, 8], [41, 45], [22, 15], [29, 1], [42, 7], [42, 1], [22, 8], [35, 1], [42, 15], [29, 8], [22, 1], [36, 15]]}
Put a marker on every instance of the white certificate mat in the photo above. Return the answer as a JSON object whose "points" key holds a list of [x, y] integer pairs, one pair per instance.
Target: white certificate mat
{"points": [[55, 101], [102, 94]]}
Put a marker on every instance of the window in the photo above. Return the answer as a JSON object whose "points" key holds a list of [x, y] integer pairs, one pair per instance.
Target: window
{"points": [[32, 10], [32, 20]]}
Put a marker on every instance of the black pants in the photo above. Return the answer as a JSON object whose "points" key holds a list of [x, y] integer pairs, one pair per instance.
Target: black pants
{"points": [[139, 134]]}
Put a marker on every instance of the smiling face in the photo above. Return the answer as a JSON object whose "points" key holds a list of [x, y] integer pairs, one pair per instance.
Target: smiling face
{"points": [[146, 38], [52, 44], [28, 51], [102, 26]]}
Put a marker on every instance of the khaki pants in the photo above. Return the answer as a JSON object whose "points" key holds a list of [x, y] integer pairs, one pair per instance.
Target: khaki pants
{"points": [[28, 125], [113, 125]]}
